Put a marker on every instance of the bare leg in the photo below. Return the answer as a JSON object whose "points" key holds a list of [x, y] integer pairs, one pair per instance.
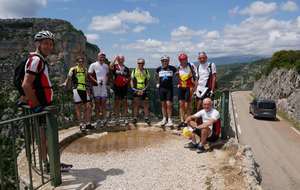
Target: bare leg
{"points": [[169, 109], [88, 112], [146, 108], [164, 109], [103, 107], [136, 105], [78, 112], [181, 110], [117, 107], [199, 105], [204, 134]]}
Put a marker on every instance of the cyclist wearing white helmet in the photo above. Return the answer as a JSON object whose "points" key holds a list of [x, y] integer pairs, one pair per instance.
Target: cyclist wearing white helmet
{"points": [[164, 75]]}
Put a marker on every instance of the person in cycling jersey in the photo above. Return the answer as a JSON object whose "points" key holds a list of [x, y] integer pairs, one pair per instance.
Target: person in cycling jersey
{"points": [[165, 74], [206, 74], [139, 83], [121, 79], [78, 77], [98, 73], [186, 79]]}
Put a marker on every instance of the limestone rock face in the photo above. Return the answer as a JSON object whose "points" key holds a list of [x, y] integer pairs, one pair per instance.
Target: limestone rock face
{"points": [[283, 86], [16, 40]]}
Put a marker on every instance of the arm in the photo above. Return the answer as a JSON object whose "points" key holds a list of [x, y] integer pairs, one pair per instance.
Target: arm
{"points": [[214, 79], [207, 124], [27, 86]]}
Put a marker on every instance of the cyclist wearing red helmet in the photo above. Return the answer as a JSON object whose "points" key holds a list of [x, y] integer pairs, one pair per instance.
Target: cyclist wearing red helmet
{"points": [[186, 76]]}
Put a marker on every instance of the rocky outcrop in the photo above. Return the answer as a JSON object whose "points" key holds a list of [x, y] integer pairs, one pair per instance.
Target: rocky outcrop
{"points": [[283, 86], [16, 40]]}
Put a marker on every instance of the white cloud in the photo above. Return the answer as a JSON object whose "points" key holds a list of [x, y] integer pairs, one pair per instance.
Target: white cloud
{"points": [[183, 32], [120, 22], [18, 9], [259, 8], [289, 6], [138, 29], [254, 35], [92, 37], [234, 11]]}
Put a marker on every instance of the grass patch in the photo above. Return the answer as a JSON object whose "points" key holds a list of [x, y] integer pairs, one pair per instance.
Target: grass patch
{"points": [[285, 116]]}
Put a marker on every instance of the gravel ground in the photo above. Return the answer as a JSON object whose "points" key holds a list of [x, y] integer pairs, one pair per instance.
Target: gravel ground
{"points": [[159, 166]]}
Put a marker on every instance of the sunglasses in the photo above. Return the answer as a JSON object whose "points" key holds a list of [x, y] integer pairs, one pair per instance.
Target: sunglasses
{"points": [[80, 61], [140, 63]]}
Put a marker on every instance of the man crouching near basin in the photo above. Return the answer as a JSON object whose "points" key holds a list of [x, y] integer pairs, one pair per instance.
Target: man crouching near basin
{"points": [[206, 124]]}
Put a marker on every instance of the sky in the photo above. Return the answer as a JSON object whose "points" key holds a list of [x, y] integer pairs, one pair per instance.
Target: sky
{"points": [[152, 28]]}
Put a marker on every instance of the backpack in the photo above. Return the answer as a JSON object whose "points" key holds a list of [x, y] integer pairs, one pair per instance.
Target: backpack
{"points": [[20, 73], [209, 80]]}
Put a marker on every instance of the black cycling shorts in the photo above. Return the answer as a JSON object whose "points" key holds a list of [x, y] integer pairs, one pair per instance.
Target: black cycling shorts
{"points": [[120, 92], [166, 94], [212, 138], [184, 94], [84, 98], [143, 96]]}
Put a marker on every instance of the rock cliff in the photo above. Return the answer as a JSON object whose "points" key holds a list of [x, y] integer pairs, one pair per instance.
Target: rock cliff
{"points": [[16, 40], [283, 86]]}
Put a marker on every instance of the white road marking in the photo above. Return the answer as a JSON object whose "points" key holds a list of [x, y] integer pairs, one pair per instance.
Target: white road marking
{"points": [[239, 129], [296, 130]]}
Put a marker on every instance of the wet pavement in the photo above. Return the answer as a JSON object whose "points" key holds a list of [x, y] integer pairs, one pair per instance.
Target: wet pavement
{"points": [[118, 141]]}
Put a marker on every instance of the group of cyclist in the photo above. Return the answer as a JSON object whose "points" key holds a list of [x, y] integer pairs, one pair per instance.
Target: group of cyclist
{"points": [[195, 80]]}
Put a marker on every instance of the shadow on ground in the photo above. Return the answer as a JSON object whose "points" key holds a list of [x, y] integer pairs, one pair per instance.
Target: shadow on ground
{"points": [[78, 178]]}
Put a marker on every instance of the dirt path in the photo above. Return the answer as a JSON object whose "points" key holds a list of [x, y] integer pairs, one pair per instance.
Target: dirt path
{"points": [[163, 165], [275, 144]]}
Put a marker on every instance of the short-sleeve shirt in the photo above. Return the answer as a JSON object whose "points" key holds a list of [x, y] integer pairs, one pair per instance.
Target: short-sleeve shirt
{"points": [[78, 80], [121, 75], [140, 77], [36, 65], [166, 76], [203, 72], [206, 116], [101, 71], [186, 76]]}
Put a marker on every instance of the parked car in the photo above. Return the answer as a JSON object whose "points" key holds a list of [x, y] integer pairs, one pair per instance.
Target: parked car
{"points": [[262, 108]]}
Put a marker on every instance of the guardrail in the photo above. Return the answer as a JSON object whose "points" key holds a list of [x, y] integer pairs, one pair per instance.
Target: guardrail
{"points": [[224, 111], [30, 133]]}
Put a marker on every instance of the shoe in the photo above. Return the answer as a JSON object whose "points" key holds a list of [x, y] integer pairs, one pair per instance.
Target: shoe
{"points": [[147, 120], [65, 167], [82, 127], [191, 145], [162, 122], [170, 123], [126, 121], [181, 125], [200, 149], [134, 121], [89, 126]]}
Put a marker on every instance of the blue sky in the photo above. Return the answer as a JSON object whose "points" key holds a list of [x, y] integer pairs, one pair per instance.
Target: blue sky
{"points": [[151, 28]]}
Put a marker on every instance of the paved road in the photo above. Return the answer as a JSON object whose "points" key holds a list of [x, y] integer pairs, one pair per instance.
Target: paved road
{"points": [[275, 144]]}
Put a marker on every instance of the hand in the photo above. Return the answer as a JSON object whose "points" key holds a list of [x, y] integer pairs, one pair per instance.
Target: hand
{"points": [[211, 94], [157, 85], [63, 84], [37, 109]]}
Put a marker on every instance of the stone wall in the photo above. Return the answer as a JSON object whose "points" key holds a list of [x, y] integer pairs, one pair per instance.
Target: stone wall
{"points": [[16, 40], [283, 86]]}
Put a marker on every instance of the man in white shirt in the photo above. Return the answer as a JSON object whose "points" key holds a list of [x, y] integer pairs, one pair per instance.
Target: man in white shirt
{"points": [[206, 131], [206, 74], [98, 73]]}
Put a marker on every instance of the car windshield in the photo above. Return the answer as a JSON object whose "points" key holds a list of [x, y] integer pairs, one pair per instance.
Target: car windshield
{"points": [[266, 105]]}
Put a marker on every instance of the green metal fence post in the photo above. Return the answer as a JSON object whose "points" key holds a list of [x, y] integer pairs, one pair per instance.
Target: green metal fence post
{"points": [[225, 114], [53, 146]]}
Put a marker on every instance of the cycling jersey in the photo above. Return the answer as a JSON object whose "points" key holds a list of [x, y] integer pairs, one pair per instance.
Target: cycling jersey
{"points": [[166, 76], [100, 70], [185, 75], [140, 78], [36, 65], [204, 70], [78, 76], [121, 75]]}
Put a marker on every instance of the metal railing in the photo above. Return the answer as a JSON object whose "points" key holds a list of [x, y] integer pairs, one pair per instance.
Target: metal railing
{"points": [[32, 133]]}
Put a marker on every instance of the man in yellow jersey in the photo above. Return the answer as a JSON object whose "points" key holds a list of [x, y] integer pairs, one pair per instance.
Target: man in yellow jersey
{"points": [[78, 76], [186, 76], [139, 82]]}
